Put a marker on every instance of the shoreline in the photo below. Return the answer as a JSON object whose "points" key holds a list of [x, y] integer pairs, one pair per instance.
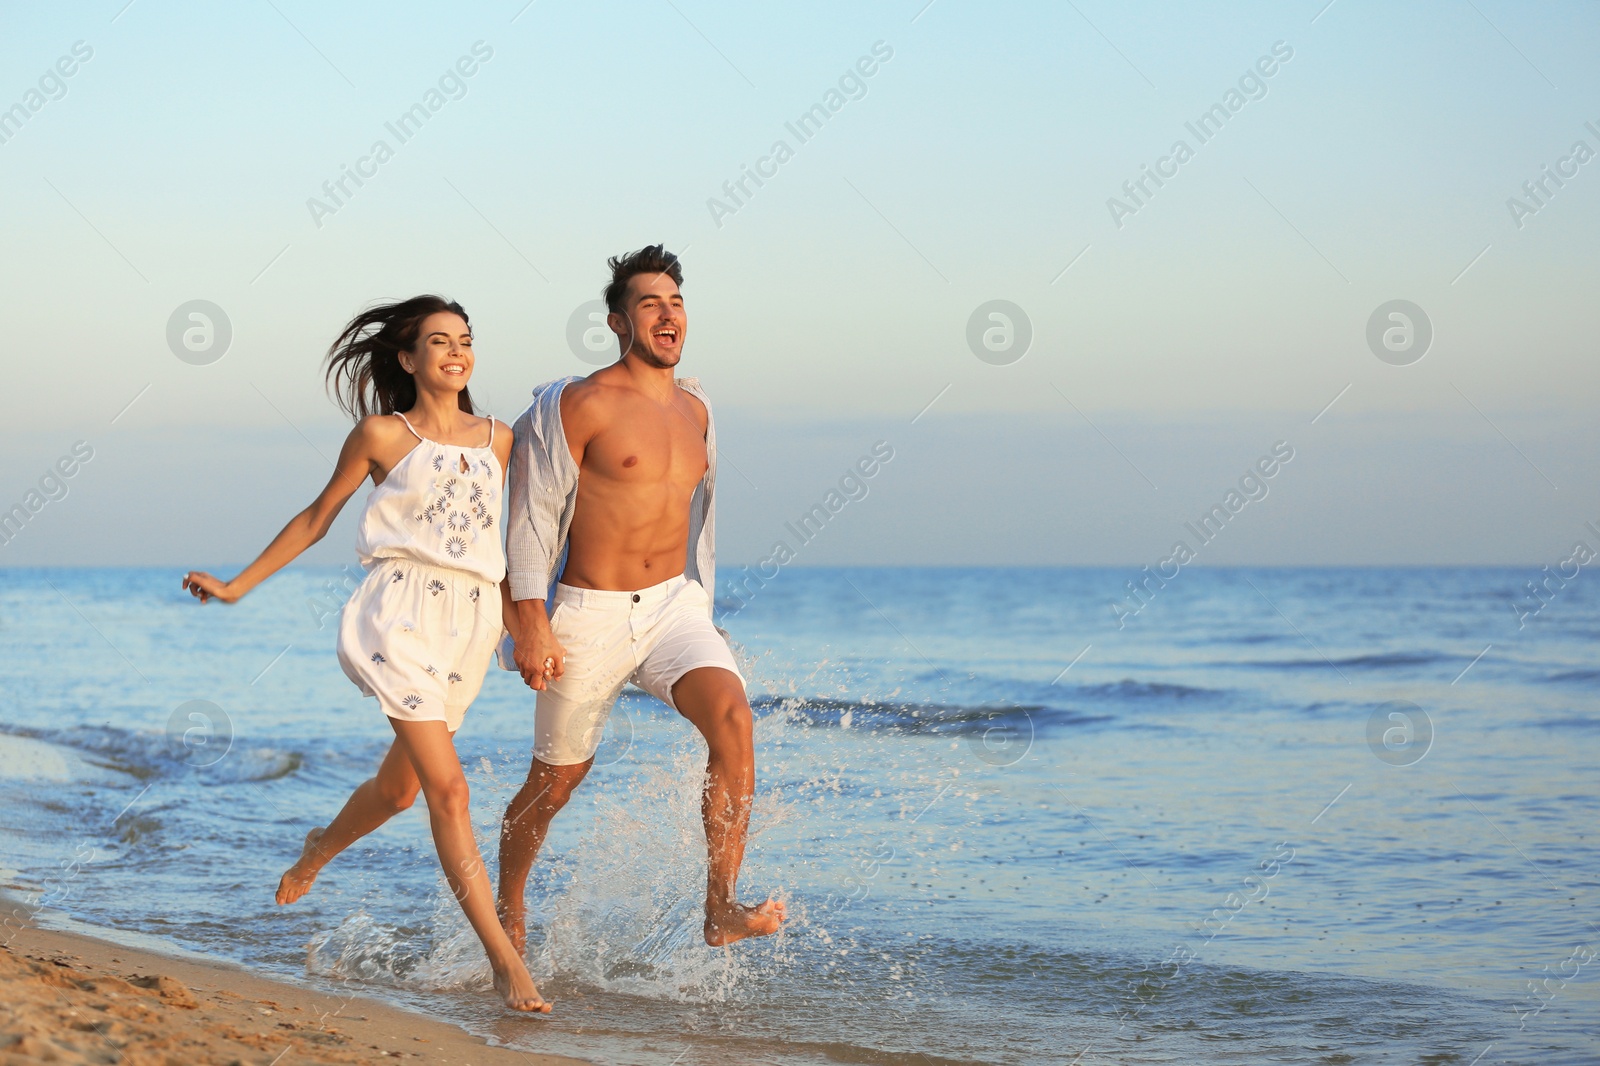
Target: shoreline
{"points": [[69, 997]]}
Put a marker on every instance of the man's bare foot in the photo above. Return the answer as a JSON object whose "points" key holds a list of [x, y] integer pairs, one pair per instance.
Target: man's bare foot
{"points": [[726, 924], [296, 880], [515, 923], [517, 989]]}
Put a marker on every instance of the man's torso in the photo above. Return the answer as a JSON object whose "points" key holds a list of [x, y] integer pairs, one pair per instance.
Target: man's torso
{"points": [[639, 463]]}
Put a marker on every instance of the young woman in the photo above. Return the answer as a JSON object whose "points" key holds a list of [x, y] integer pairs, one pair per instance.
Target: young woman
{"points": [[419, 632]]}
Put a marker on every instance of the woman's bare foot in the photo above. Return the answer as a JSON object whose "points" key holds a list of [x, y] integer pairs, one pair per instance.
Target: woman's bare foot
{"points": [[515, 923], [296, 880], [517, 989], [725, 924]]}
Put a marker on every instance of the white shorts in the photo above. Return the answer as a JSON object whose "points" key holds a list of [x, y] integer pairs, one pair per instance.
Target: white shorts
{"points": [[419, 638], [650, 638]]}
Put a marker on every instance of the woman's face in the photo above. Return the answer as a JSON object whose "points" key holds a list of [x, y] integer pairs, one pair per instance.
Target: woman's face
{"points": [[442, 358]]}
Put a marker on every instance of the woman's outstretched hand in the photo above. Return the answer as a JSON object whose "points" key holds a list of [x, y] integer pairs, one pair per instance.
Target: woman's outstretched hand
{"points": [[206, 588]]}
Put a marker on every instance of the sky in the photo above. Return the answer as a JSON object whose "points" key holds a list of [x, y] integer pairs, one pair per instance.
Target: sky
{"points": [[1154, 343]]}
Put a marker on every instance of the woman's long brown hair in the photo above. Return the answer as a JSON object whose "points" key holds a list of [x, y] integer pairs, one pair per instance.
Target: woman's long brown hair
{"points": [[364, 371]]}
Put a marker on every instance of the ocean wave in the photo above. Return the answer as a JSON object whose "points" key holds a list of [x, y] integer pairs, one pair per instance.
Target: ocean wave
{"points": [[1251, 638], [1575, 675], [148, 755], [28, 759], [134, 828], [890, 716], [1568, 723], [1381, 661], [1129, 689]]}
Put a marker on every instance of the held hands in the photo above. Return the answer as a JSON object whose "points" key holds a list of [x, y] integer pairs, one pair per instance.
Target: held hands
{"points": [[206, 588], [539, 655]]}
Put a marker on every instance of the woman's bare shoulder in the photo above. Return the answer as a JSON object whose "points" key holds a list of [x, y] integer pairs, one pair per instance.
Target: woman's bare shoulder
{"points": [[379, 430]]}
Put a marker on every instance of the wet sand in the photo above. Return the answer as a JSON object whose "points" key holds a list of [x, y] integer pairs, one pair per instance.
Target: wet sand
{"points": [[67, 998]]}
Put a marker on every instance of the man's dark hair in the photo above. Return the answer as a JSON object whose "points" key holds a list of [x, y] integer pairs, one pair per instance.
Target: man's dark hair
{"points": [[652, 260]]}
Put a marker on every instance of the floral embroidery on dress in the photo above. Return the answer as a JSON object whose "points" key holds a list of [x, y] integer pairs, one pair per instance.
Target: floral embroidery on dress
{"points": [[399, 575], [473, 595], [433, 670], [413, 701], [454, 677], [378, 658], [436, 586], [458, 509]]}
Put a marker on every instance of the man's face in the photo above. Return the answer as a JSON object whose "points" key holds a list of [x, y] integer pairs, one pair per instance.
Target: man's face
{"points": [[654, 323]]}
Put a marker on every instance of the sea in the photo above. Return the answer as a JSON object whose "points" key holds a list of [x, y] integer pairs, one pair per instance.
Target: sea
{"points": [[1276, 815]]}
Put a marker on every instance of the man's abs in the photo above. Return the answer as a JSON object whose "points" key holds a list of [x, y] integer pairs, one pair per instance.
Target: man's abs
{"points": [[626, 540]]}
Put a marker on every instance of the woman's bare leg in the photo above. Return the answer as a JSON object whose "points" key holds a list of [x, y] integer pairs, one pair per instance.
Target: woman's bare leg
{"points": [[433, 755], [374, 802]]}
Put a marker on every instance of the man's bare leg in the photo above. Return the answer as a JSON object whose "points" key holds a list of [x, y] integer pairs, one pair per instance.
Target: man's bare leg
{"points": [[433, 755], [374, 802], [522, 834], [713, 700]]}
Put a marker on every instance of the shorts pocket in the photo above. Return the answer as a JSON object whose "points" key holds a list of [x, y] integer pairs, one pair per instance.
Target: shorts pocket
{"points": [[562, 625]]}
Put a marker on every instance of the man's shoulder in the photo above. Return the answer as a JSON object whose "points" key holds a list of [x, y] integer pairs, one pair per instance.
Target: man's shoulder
{"points": [[696, 391], [578, 394], [544, 397], [555, 387]]}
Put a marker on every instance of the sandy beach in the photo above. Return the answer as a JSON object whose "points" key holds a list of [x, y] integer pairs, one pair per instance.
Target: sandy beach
{"points": [[67, 998]]}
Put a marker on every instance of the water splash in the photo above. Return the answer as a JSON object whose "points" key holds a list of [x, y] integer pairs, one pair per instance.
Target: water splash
{"points": [[626, 905], [621, 911], [362, 948]]}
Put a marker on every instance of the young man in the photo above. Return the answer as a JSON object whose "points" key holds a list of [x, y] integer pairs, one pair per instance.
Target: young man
{"points": [[618, 469]]}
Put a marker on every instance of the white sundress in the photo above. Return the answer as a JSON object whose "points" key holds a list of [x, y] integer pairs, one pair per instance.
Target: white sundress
{"points": [[419, 632]]}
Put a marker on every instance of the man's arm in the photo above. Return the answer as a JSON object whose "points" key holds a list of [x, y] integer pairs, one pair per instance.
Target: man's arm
{"points": [[533, 513], [535, 500], [533, 642]]}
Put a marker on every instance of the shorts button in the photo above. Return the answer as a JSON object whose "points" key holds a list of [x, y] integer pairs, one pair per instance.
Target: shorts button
{"points": [[635, 597]]}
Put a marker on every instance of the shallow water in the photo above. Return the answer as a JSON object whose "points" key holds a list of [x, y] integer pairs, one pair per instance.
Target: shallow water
{"points": [[1183, 847]]}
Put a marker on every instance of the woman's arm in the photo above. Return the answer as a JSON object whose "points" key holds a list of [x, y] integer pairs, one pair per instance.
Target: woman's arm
{"points": [[502, 452], [356, 461]]}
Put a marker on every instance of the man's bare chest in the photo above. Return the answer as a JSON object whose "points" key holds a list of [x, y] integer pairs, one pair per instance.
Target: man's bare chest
{"points": [[648, 448]]}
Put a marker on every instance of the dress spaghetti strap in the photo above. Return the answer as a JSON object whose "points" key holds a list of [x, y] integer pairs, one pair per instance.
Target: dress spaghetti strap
{"points": [[409, 426], [491, 433]]}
